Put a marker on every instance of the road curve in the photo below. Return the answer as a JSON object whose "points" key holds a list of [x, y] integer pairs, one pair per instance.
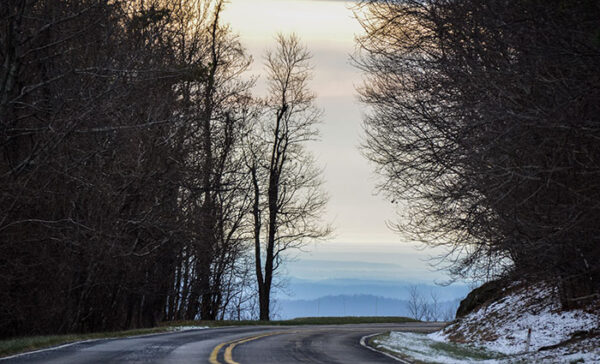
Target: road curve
{"points": [[327, 344]]}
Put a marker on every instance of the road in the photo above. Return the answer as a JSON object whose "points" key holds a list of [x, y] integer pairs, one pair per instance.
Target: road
{"points": [[232, 345]]}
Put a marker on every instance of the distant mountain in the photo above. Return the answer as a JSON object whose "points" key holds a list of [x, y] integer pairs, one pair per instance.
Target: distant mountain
{"points": [[350, 265], [353, 305], [302, 289]]}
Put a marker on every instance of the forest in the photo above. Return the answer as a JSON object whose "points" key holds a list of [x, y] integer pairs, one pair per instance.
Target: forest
{"points": [[141, 180]]}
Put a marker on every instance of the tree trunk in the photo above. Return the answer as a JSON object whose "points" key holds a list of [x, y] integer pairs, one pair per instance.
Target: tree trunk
{"points": [[264, 293]]}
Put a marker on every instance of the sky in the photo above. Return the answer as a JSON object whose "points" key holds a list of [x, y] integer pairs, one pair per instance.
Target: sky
{"points": [[363, 245]]}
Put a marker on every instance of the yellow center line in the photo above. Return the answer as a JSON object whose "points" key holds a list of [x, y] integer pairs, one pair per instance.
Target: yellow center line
{"points": [[228, 355], [213, 355]]}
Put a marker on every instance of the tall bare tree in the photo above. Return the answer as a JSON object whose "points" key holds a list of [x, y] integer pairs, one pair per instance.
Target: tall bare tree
{"points": [[288, 200]]}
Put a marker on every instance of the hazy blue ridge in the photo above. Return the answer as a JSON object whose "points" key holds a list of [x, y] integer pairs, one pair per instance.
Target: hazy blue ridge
{"points": [[304, 289], [351, 305]]}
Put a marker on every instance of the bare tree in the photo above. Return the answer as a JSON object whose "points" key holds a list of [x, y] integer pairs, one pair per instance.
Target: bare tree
{"points": [[485, 122], [287, 198], [417, 306], [433, 307], [213, 197]]}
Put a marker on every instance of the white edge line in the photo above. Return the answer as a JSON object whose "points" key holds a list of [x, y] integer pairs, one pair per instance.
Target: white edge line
{"points": [[363, 343], [92, 340], [48, 349]]}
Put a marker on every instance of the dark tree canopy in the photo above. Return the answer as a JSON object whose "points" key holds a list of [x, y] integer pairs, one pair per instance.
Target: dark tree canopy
{"points": [[486, 121], [103, 202], [125, 197]]}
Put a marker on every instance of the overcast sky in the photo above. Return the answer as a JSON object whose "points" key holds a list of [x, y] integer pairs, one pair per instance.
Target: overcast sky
{"points": [[328, 29]]}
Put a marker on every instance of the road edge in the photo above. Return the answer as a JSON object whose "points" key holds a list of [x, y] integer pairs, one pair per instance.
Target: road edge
{"points": [[61, 346], [363, 342]]}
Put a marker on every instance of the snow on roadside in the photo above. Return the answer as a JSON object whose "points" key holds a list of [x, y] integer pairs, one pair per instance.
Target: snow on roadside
{"points": [[187, 328], [419, 347], [503, 326], [498, 332]]}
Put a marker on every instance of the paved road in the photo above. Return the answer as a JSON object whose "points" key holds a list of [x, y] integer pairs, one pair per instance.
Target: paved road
{"points": [[232, 345]]}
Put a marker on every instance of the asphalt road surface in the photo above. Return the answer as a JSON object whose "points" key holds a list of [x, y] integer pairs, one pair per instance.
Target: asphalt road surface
{"points": [[232, 345]]}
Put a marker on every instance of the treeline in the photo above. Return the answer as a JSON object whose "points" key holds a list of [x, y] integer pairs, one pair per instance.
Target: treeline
{"points": [[486, 121], [137, 168]]}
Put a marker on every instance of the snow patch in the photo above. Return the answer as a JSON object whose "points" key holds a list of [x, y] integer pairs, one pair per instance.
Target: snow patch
{"points": [[525, 321], [421, 348], [187, 328], [504, 325]]}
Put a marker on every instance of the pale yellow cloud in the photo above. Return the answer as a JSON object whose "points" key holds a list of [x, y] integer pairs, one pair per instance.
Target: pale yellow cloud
{"points": [[316, 21]]}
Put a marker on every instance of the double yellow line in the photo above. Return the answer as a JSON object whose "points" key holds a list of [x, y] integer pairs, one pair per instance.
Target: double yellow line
{"points": [[228, 355]]}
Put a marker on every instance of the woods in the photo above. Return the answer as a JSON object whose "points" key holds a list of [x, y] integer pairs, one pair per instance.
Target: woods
{"points": [[485, 120], [143, 179], [125, 196]]}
